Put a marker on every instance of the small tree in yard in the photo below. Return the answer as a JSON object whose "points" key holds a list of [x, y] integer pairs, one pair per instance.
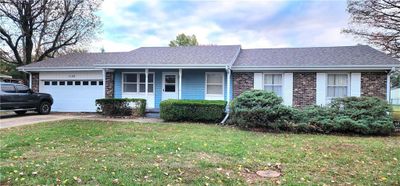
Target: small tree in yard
{"points": [[376, 21]]}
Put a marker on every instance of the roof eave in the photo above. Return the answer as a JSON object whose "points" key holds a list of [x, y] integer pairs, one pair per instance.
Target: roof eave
{"points": [[336, 67]]}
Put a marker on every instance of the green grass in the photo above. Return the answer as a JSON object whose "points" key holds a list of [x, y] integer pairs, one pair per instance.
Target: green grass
{"points": [[106, 153]]}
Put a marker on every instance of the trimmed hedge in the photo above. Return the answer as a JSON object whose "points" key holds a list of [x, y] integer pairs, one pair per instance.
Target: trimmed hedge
{"points": [[121, 106], [192, 110], [357, 115]]}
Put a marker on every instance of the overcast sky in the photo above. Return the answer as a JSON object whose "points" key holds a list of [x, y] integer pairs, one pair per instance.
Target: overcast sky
{"points": [[129, 24]]}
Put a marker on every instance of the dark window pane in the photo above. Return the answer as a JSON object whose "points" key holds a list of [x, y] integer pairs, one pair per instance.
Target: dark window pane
{"points": [[22, 88], [77, 82], [54, 83], [142, 78], [170, 78], [85, 82], [62, 83], [100, 82], [150, 88], [151, 78], [93, 83], [142, 88], [8, 88], [69, 82], [130, 78], [169, 88], [130, 87], [47, 83]]}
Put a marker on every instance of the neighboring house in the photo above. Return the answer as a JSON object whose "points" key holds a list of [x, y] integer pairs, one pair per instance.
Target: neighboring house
{"points": [[302, 76]]}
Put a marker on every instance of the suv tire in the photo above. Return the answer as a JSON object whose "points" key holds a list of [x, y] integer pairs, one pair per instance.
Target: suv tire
{"points": [[20, 112], [44, 107]]}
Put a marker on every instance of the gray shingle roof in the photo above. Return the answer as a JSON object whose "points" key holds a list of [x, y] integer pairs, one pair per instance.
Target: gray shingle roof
{"points": [[224, 55], [195, 55], [314, 56]]}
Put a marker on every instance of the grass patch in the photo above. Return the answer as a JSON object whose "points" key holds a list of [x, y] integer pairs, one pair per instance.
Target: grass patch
{"points": [[105, 153]]}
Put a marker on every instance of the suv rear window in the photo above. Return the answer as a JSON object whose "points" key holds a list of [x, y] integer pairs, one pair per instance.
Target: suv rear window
{"points": [[8, 88]]}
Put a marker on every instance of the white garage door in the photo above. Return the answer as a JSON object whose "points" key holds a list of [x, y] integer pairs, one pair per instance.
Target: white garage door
{"points": [[75, 93]]}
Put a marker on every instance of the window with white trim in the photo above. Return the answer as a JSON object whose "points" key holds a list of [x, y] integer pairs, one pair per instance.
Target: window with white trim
{"points": [[215, 83], [136, 82], [273, 83], [338, 85]]}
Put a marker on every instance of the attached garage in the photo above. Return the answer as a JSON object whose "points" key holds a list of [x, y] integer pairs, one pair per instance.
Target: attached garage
{"points": [[73, 91]]}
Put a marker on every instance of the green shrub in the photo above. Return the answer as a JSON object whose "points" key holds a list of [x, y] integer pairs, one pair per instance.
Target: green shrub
{"points": [[360, 115], [121, 106], [192, 110], [258, 108]]}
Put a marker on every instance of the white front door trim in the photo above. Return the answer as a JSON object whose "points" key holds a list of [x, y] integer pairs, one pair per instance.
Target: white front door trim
{"points": [[169, 94]]}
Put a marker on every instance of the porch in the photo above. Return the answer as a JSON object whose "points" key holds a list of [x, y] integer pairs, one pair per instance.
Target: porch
{"points": [[156, 85]]}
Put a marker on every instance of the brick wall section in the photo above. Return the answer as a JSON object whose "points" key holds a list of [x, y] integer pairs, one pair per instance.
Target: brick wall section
{"points": [[304, 89], [373, 84], [242, 81], [35, 82], [109, 84]]}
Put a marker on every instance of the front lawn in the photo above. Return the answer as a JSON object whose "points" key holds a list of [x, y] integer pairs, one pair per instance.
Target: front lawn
{"points": [[105, 153]]}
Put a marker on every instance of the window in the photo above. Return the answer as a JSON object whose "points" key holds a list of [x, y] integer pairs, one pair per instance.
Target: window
{"points": [[22, 88], [337, 85], [8, 88], [70, 82], [61, 83], [47, 83], [100, 82], [136, 82], [77, 82], [54, 83], [215, 83], [85, 82], [93, 83], [273, 83]]}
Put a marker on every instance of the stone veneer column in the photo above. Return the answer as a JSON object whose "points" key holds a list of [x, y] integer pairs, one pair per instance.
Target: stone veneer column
{"points": [[304, 89], [35, 82], [373, 84], [109, 84], [242, 81]]}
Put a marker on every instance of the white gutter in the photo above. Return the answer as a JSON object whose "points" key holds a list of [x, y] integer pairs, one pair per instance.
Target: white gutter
{"points": [[51, 69], [359, 67]]}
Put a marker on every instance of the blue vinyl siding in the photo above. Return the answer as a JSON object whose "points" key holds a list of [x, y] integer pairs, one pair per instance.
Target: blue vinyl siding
{"points": [[193, 83]]}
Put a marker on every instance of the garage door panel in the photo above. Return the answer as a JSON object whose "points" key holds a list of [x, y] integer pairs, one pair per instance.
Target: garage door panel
{"points": [[73, 98]]}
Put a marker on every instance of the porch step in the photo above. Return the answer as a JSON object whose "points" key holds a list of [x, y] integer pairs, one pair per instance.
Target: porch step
{"points": [[153, 113]]}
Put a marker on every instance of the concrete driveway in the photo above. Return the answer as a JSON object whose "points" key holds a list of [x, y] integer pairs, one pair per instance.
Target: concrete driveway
{"points": [[12, 120]]}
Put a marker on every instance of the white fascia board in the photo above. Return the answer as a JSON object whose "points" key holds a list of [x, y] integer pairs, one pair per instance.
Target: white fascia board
{"points": [[47, 69], [348, 67], [163, 66]]}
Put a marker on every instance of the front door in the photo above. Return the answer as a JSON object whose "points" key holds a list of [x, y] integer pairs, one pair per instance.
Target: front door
{"points": [[169, 85]]}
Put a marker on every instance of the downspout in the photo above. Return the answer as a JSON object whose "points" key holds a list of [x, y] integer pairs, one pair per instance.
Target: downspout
{"points": [[228, 92], [388, 84], [30, 77]]}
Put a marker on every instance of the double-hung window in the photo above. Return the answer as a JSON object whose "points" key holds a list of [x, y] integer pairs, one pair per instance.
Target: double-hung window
{"points": [[338, 85], [273, 83], [136, 82], [215, 85]]}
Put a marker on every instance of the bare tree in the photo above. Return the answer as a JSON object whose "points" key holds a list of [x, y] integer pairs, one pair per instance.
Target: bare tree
{"points": [[376, 21], [32, 30]]}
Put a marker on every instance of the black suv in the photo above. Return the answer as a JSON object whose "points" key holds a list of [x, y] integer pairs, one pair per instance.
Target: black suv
{"points": [[20, 99]]}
